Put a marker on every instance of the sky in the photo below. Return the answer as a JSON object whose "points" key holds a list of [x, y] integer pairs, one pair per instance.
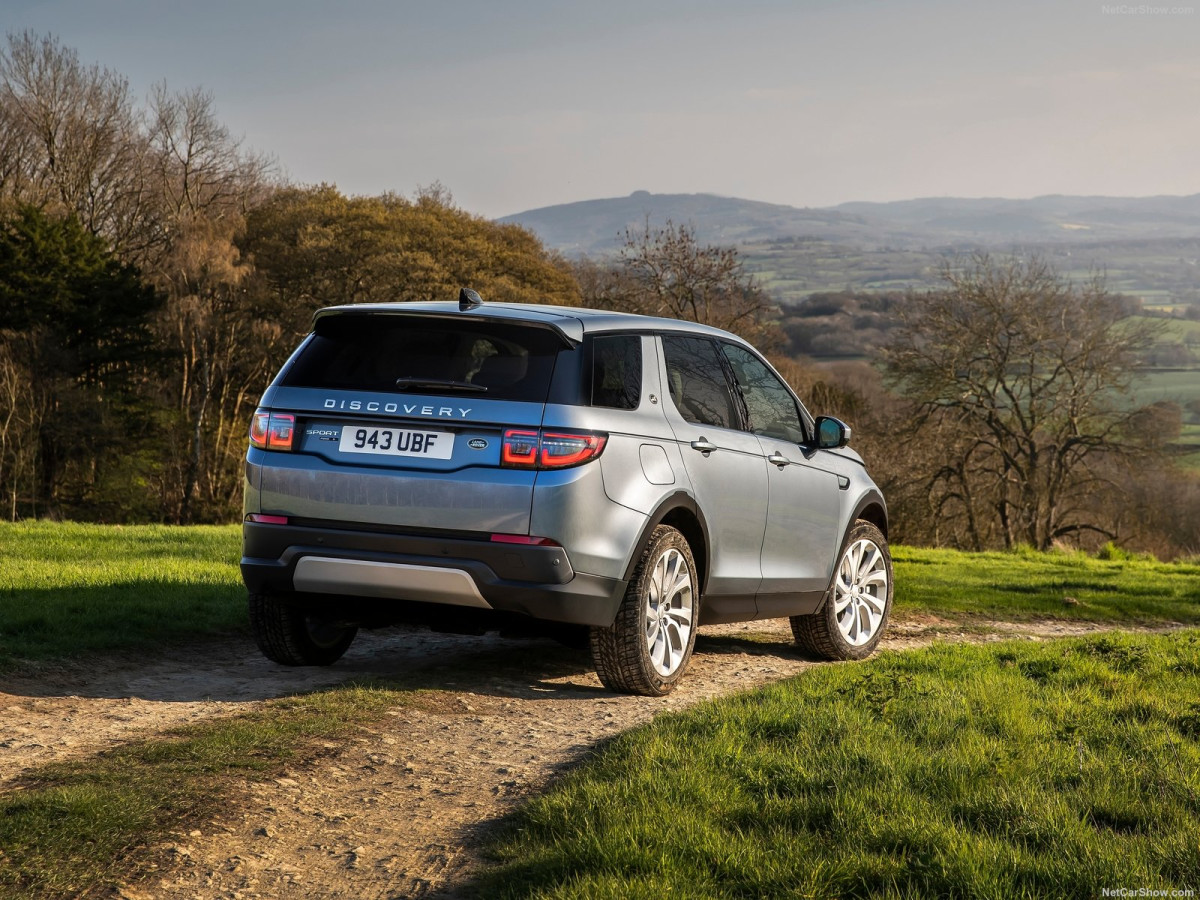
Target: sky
{"points": [[518, 104]]}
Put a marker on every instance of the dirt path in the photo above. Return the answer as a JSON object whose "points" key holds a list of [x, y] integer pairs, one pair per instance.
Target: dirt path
{"points": [[394, 812]]}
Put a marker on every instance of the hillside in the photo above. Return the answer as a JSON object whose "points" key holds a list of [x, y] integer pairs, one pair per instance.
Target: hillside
{"points": [[1146, 246], [595, 226]]}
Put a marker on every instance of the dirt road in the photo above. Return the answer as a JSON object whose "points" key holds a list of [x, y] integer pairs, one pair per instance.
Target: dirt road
{"points": [[397, 811]]}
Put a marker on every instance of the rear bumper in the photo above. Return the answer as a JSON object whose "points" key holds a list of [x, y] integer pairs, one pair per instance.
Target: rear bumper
{"points": [[535, 581]]}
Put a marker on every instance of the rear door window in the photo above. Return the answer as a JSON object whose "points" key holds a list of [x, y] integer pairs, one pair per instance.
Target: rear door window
{"points": [[380, 353]]}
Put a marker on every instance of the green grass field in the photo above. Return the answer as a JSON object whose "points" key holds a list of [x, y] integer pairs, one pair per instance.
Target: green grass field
{"points": [[1010, 770], [1029, 584], [69, 590], [945, 771], [1178, 385]]}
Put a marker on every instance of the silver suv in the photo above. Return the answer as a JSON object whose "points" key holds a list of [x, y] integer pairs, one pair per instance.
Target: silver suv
{"points": [[467, 465]]}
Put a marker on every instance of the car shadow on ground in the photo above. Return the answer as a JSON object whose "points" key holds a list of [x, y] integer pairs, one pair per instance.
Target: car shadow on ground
{"points": [[233, 670]]}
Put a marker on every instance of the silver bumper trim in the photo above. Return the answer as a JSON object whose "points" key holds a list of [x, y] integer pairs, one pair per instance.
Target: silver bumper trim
{"points": [[393, 581]]}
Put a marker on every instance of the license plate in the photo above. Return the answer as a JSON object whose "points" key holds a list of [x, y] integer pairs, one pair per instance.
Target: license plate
{"points": [[396, 442]]}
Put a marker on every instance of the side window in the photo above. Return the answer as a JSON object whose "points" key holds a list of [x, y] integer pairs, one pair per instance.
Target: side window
{"points": [[617, 371], [697, 382], [773, 410]]}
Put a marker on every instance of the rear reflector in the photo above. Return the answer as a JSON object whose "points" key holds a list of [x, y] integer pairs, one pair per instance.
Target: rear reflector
{"points": [[267, 520], [529, 449], [524, 539]]}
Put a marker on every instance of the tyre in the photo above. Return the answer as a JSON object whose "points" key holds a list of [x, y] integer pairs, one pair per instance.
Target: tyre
{"points": [[852, 621], [292, 636], [647, 648]]}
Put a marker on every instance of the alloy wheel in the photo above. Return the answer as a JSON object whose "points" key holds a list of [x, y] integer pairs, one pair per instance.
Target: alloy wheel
{"points": [[860, 591], [669, 612]]}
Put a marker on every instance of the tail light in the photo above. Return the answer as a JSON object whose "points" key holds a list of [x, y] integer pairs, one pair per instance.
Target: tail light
{"points": [[529, 449], [272, 431]]}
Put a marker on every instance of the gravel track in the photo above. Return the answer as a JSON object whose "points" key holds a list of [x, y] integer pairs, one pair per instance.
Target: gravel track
{"points": [[397, 810]]}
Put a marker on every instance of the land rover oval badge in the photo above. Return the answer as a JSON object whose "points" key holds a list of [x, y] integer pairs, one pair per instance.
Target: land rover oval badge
{"points": [[477, 444]]}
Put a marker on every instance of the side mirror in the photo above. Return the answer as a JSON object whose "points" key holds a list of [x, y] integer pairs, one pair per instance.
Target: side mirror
{"points": [[831, 433]]}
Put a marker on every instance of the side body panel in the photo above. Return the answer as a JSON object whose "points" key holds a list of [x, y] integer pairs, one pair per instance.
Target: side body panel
{"points": [[730, 487]]}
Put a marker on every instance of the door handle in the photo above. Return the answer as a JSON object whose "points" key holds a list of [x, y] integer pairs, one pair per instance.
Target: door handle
{"points": [[704, 445], [778, 459]]}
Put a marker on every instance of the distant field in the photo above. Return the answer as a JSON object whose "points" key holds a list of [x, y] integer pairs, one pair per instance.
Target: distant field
{"points": [[1161, 272], [1180, 385]]}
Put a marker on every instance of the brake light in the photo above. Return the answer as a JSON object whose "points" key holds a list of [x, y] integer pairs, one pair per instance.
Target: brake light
{"points": [[529, 449], [519, 448], [272, 431]]}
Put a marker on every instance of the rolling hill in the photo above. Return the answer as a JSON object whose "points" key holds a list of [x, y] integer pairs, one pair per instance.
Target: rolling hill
{"points": [[596, 226]]}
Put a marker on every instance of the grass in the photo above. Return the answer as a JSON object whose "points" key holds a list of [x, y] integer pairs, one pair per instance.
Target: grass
{"points": [[765, 807], [76, 829], [1179, 385], [68, 590], [1026, 585], [1006, 770]]}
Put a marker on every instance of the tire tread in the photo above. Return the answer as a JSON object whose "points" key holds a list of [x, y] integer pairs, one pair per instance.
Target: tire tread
{"points": [[818, 633], [617, 651], [281, 633]]}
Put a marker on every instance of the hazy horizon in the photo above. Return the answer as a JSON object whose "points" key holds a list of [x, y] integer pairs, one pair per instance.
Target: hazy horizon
{"points": [[806, 104]]}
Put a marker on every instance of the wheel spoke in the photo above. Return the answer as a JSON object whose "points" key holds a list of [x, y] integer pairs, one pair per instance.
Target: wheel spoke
{"points": [[657, 579], [680, 616], [846, 570], [864, 622], [664, 661], [873, 603], [879, 576], [682, 583], [851, 629], [856, 557], [841, 601], [866, 565]]}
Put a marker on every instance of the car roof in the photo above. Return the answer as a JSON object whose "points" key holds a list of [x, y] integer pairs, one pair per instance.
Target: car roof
{"points": [[573, 322]]}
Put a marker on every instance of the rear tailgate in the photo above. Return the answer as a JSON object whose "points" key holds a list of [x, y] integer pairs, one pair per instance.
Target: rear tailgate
{"points": [[400, 460]]}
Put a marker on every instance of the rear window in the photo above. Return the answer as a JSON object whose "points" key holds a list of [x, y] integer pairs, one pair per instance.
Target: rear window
{"points": [[409, 354]]}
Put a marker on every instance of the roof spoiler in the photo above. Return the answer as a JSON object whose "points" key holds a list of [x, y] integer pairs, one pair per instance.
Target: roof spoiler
{"points": [[568, 330]]}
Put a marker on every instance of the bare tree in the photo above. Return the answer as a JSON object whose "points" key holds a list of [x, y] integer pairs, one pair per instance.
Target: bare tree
{"points": [[70, 139], [1018, 377], [204, 183], [667, 272]]}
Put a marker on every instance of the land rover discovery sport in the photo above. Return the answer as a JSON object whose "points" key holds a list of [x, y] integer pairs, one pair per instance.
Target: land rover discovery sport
{"points": [[465, 463]]}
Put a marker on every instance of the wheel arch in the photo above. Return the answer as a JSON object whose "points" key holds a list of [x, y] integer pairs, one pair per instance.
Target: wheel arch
{"points": [[870, 508], [679, 511]]}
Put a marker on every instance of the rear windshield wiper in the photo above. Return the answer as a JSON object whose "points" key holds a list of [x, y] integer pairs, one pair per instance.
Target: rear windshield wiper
{"points": [[441, 384]]}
